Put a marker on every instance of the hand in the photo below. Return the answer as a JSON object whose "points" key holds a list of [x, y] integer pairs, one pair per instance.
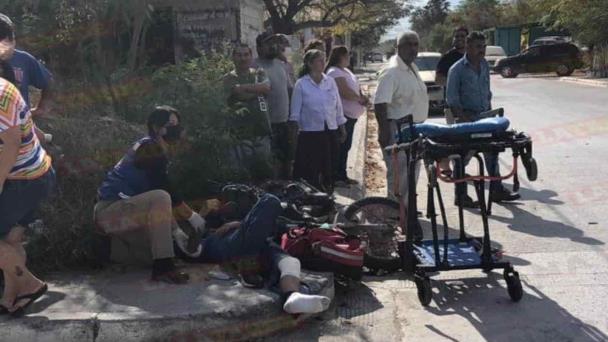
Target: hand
{"points": [[238, 89], [342, 134], [198, 222], [227, 228], [38, 111]]}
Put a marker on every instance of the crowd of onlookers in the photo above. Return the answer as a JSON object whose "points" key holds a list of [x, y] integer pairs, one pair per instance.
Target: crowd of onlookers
{"points": [[301, 125]]}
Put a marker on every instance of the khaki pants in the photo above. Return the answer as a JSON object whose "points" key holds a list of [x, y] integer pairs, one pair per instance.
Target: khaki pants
{"points": [[140, 227]]}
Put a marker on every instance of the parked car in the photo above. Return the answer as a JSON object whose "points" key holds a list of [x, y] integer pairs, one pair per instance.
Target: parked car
{"points": [[374, 57], [494, 53], [561, 58], [550, 40], [427, 64]]}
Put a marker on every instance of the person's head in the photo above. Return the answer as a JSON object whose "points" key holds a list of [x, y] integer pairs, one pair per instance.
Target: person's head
{"points": [[407, 46], [242, 57], [476, 46], [338, 57], [315, 44], [7, 38], [267, 46], [314, 62], [165, 122], [460, 37]]}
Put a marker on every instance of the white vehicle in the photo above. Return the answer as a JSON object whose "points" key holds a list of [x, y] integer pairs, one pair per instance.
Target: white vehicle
{"points": [[427, 64], [493, 54]]}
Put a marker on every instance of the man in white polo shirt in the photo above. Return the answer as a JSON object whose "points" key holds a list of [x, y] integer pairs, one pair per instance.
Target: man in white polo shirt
{"points": [[400, 92]]}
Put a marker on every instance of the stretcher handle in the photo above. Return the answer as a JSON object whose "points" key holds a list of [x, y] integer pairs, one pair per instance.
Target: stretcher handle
{"points": [[406, 120], [475, 178]]}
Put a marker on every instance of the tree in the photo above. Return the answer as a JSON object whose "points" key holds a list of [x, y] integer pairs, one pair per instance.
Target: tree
{"points": [[587, 20], [289, 16], [423, 19]]}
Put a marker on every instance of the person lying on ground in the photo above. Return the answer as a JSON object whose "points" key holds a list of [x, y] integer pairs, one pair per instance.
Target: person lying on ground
{"points": [[26, 179], [137, 200], [252, 239]]}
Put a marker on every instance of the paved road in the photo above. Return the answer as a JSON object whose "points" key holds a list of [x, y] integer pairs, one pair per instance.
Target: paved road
{"points": [[556, 236]]}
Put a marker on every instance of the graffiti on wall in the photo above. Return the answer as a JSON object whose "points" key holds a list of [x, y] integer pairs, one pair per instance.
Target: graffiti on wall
{"points": [[209, 28]]}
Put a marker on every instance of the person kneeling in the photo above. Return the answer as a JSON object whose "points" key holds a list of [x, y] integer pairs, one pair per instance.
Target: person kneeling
{"points": [[137, 200], [252, 238]]}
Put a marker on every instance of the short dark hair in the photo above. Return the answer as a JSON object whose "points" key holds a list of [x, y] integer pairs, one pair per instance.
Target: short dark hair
{"points": [[262, 38], [159, 118], [475, 35], [7, 28], [243, 46], [315, 44], [461, 29]]}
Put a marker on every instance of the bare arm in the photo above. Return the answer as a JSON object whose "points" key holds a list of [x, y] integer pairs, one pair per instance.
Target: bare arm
{"points": [[11, 139], [345, 91], [440, 79], [257, 89], [384, 127]]}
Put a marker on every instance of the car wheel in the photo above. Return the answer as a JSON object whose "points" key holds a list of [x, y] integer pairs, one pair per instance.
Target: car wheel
{"points": [[563, 70], [507, 72]]}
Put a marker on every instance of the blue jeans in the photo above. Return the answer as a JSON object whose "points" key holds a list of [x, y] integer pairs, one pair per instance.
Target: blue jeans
{"points": [[20, 200], [251, 239]]}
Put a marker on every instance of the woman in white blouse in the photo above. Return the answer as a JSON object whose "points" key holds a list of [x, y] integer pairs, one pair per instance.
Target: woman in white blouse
{"points": [[353, 102], [317, 109]]}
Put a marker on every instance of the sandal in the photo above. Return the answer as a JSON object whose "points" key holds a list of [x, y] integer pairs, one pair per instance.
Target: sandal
{"points": [[32, 298]]}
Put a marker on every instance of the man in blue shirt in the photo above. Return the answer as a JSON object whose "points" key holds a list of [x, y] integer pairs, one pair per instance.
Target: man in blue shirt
{"points": [[28, 72], [468, 95]]}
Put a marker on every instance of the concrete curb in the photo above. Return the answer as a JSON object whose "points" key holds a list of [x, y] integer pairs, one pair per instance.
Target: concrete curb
{"points": [[204, 311], [590, 82]]}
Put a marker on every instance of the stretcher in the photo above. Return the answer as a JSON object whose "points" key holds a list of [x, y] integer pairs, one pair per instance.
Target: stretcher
{"points": [[432, 143]]}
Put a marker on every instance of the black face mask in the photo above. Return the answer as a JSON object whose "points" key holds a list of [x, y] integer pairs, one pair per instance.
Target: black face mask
{"points": [[173, 134]]}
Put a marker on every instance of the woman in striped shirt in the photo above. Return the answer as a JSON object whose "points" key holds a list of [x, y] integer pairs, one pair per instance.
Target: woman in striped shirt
{"points": [[26, 179]]}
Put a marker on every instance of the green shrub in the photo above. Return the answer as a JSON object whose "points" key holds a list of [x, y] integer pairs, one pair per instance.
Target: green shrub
{"points": [[91, 145]]}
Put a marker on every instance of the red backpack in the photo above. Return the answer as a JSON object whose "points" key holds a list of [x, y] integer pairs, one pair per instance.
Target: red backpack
{"points": [[326, 250]]}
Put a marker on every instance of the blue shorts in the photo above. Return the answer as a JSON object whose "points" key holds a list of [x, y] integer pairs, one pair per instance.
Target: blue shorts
{"points": [[20, 200]]}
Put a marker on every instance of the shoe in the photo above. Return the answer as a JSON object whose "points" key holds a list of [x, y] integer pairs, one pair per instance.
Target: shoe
{"points": [[172, 277], [32, 297], [504, 195], [467, 202]]}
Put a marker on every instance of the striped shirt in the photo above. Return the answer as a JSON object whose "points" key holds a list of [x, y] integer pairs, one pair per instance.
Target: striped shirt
{"points": [[32, 161]]}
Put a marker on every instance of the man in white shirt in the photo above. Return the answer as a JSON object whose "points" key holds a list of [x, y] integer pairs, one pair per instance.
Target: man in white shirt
{"points": [[400, 92]]}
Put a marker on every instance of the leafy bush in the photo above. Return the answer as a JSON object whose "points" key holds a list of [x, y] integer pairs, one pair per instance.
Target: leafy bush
{"points": [[91, 145]]}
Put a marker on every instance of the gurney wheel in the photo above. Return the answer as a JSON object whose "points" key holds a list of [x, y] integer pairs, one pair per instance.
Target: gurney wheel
{"points": [[425, 291], [531, 169], [513, 285]]}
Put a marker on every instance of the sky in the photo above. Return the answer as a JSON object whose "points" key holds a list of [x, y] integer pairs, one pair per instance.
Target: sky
{"points": [[404, 23]]}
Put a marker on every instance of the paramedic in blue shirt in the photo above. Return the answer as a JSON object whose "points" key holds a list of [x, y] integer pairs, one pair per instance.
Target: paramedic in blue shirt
{"points": [[28, 72], [468, 95]]}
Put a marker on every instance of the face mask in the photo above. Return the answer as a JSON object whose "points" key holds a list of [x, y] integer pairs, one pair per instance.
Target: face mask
{"points": [[173, 134]]}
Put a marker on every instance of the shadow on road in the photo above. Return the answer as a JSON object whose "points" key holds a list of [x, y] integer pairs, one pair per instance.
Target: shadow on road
{"points": [[529, 223], [535, 318]]}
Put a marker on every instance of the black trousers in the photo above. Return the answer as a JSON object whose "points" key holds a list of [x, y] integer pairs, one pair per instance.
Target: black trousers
{"points": [[344, 149], [317, 157]]}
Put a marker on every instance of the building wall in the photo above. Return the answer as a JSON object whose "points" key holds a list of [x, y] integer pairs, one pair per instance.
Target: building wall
{"points": [[211, 24], [252, 21]]}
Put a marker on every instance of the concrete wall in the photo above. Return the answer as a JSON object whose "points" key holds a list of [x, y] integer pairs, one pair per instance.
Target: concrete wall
{"points": [[252, 21], [211, 24]]}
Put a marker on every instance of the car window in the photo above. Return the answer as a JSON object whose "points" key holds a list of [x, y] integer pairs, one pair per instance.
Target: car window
{"points": [[495, 51], [427, 63]]}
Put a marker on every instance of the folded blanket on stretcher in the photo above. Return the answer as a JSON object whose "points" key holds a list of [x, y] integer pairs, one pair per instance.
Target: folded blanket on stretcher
{"points": [[479, 129]]}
